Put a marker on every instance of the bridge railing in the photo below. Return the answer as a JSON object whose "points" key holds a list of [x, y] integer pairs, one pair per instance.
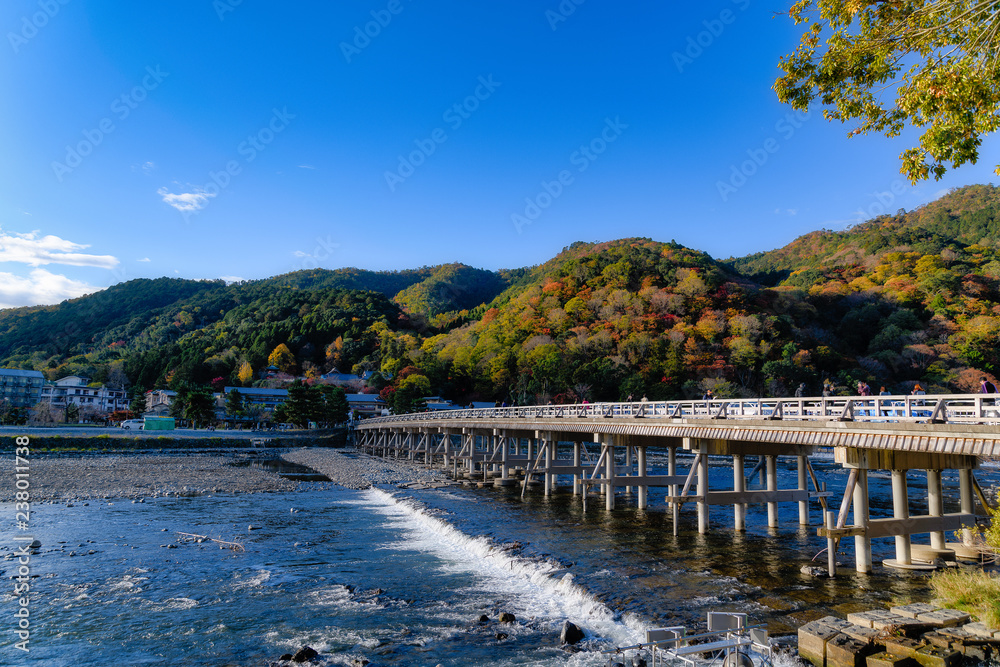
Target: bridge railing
{"points": [[947, 408]]}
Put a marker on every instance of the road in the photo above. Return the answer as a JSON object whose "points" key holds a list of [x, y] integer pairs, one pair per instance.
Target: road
{"points": [[94, 431]]}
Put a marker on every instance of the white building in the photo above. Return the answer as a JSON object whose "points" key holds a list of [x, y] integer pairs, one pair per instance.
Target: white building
{"points": [[158, 402], [73, 390]]}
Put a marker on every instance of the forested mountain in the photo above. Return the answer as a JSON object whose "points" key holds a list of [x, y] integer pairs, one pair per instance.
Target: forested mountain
{"points": [[905, 298]]}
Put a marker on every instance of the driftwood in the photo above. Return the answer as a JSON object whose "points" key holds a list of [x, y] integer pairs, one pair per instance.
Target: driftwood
{"points": [[235, 546]]}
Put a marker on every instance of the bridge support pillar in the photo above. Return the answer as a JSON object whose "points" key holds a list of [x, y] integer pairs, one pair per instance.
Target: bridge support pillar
{"points": [[966, 499], [772, 485], [641, 460], [935, 506], [901, 510], [576, 464], [628, 467], [803, 504], [862, 543], [471, 443], [608, 449], [546, 442], [702, 492], [504, 448], [672, 470], [739, 485]]}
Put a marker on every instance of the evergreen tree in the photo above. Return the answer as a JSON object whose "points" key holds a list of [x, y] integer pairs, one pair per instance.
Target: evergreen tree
{"points": [[235, 404], [137, 404]]}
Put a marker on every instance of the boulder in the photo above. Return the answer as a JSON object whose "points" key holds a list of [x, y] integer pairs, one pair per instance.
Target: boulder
{"points": [[305, 654], [507, 617], [571, 633]]}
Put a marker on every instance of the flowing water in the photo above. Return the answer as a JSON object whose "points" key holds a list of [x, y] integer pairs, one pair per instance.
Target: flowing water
{"points": [[401, 577]]}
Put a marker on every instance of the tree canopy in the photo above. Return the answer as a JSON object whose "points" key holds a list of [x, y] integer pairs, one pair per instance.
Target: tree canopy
{"points": [[930, 64]]}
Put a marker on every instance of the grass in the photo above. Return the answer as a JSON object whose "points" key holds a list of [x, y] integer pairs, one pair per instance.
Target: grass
{"points": [[970, 590]]}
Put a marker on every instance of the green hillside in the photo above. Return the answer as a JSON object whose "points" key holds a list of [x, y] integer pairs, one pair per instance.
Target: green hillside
{"points": [[905, 298]]}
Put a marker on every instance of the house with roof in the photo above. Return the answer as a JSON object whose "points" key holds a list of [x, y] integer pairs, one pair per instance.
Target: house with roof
{"points": [[264, 397], [158, 402], [366, 405]]}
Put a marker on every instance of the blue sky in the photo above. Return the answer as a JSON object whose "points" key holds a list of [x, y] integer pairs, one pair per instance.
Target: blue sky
{"points": [[238, 139]]}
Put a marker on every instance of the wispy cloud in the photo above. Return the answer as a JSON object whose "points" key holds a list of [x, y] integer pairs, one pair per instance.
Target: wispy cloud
{"points": [[41, 288], [306, 166], [144, 259], [145, 167], [186, 202], [232, 279], [35, 250]]}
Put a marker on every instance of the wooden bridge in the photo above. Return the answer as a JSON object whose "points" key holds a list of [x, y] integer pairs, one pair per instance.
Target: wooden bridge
{"points": [[896, 433]]}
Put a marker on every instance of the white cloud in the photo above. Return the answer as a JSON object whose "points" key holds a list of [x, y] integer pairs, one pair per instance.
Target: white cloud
{"points": [[145, 167], [186, 202], [144, 259], [306, 166], [41, 288], [299, 253], [232, 279], [34, 250]]}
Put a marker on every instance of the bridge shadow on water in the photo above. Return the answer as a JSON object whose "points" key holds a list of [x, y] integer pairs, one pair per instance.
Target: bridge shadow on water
{"points": [[632, 559]]}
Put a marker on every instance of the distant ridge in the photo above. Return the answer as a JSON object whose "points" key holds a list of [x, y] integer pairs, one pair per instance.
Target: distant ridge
{"points": [[900, 299]]}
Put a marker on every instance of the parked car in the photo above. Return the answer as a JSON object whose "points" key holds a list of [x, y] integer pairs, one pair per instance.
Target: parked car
{"points": [[133, 423]]}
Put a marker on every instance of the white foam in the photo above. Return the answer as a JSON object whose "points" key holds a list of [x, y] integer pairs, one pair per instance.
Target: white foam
{"points": [[534, 592], [253, 579]]}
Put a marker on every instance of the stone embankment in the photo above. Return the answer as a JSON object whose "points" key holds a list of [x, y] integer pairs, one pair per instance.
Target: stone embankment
{"points": [[904, 636]]}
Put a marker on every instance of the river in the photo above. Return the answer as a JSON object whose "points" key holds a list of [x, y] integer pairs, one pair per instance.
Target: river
{"points": [[401, 577]]}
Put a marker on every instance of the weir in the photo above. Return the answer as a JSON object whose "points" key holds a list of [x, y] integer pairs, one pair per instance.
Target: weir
{"points": [[604, 449]]}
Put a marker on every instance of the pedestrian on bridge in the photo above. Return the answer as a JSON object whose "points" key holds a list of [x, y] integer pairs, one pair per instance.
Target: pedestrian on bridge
{"points": [[987, 387]]}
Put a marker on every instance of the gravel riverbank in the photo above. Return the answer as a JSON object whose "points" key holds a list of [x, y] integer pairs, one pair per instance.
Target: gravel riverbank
{"points": [[144, 476], [359, 471], [151, 475]]}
